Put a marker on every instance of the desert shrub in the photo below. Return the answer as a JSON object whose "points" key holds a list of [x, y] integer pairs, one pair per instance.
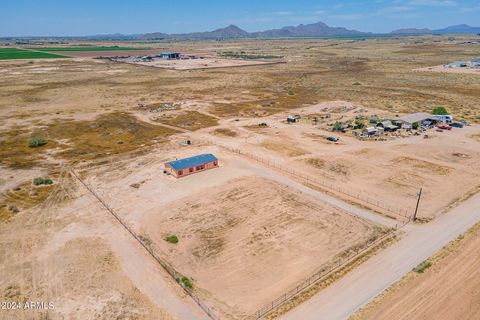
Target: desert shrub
{"points": [[440, 110], [36, 141], [40, 181], [172, 239], [359, 124], [13, 208], [291, 92], [187, 282], [423, 266], [415, 125], [337, 126], [357, 84]]}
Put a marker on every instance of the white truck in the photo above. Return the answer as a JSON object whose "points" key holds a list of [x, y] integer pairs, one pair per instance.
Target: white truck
{"points": [[443, 118]]}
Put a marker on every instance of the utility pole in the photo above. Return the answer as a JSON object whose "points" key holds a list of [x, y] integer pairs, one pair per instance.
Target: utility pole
{"points": [[419, 195]]}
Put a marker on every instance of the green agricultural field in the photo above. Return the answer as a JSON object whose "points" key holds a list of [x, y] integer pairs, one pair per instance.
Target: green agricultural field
{"points": [[15, 54], [86, 48]]}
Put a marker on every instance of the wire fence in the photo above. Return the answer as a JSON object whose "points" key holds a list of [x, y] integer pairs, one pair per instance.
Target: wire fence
{"points": [[386, 206], [323, 273], [141, 240]]}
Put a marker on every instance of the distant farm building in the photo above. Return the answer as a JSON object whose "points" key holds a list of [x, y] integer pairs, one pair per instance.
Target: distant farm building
{"points": [[370, 131], [187, 166], [387, 125], [169, 55], [422, 118]]}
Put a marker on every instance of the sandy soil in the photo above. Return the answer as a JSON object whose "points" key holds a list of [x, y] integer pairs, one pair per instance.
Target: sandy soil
{"points": [[250, 245], [447, 290], [226, 228], [449, 70], [194, 64], [61, 255]]}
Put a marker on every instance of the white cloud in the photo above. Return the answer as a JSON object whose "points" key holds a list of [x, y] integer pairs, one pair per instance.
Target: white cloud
{"points": [[433, 3], [395, 9]]}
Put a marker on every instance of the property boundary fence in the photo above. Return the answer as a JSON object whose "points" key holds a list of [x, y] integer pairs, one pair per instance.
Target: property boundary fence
{"points": [[398, 211], [164, 264], [323, 273]]}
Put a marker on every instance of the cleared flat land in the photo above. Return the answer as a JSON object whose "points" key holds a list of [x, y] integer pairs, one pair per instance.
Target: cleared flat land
{"points": [[447, 290], [450, 70], [239, 231], [19, 54], [197, 64], [233, 243], [88, 48]]}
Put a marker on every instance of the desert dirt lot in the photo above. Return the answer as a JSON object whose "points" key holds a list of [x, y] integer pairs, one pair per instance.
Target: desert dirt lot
{"points": [[88, 111], [231, 241], [450, 70], [446, 290], [195, 64], [446, 165]]}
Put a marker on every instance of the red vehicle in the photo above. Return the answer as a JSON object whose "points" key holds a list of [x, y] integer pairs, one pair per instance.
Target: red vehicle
{"points": [[444, 126]]}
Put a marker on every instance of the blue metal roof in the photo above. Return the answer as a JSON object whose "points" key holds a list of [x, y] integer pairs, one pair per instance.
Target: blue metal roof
{"points": [[192, 161]]}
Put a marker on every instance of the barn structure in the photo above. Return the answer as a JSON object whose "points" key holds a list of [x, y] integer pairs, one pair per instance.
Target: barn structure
{"points": [[169, 55], [187, 166]]}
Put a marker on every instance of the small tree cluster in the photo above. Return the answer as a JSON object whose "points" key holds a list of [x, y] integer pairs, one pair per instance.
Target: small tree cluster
{"points": [[440, 110], [337, 126], [40, 181], [187, 282]]}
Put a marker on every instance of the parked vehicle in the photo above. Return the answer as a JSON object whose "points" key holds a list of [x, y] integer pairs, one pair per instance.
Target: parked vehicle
{"points": [[443, 118], [457, 124], [444, 126], [333, 139]]}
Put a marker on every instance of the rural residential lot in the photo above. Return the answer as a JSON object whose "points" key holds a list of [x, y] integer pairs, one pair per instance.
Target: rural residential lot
{"points": [[315, 209]]}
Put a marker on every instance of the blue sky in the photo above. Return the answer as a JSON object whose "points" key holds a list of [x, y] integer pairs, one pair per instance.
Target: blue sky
{"points": [[86, 17]]}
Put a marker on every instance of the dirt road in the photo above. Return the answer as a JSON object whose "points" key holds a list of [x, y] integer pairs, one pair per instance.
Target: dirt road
{"points": [[359, 287]]}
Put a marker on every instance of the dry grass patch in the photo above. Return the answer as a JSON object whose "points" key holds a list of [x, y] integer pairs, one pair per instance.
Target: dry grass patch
{"points": [[190, 120], [316, 162], [23, 197], [422, 165], [225, 132], [476, 137], [112, 133], [285, 149]]}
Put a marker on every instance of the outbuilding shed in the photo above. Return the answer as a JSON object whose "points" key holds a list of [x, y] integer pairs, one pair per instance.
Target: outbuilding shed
{"points": [[387, 125], [412, 118], [169, 55], [187, 166]]}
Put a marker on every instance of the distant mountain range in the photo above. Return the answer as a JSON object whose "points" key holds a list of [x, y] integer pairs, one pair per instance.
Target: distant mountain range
{"points": [[312, 30], [318, 29], [458, 29]]}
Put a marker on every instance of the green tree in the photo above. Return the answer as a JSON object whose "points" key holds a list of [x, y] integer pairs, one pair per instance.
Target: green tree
{"points": [[415, 125], [359, 124], [440, 110], [337, 126]]}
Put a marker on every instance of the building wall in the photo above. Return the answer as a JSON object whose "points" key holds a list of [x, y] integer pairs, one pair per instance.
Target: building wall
{"points": [[187, 172]]}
